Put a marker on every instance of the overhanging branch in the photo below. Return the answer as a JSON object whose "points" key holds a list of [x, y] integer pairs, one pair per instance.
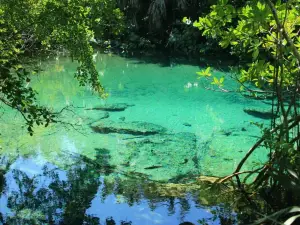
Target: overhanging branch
{"points": [[282, 29]]}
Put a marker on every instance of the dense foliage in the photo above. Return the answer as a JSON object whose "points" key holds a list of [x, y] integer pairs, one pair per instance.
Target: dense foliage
{"points": [[38, 27], [270, 32], [156, 26]]}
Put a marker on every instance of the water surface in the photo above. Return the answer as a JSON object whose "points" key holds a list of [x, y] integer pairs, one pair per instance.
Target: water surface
{"points": [[71, 171]]}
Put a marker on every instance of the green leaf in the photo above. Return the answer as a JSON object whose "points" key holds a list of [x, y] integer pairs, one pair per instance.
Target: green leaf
{"points": [[221, 80], [223, 2], [293, 173], [216, 81], [255, 54], [207, 70], [260, 6], [291, 220], [204, 73], [224, 43]]}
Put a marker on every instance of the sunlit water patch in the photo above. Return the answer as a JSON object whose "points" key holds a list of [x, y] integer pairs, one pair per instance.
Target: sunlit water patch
{"points": [[158, 123]]}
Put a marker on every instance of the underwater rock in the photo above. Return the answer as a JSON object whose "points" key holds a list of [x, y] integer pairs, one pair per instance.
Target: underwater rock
{"points": [[159, 157], [208, 179], [137, 186], [185, 161], [105, 115], [226, 132], [117, 107], [171, 189], [203, 183], [187, 124], [153, 167], [122, 118], [101, 164], [228, 159], [102, 155], [170, 154], [259, 113], [99, 115], [133, 128]]}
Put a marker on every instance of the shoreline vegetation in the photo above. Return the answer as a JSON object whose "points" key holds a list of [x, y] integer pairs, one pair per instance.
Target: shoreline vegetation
{"points": [[256, 42]]}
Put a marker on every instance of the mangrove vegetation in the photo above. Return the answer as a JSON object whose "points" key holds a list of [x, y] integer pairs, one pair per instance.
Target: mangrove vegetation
{"points": [[149, 112]]}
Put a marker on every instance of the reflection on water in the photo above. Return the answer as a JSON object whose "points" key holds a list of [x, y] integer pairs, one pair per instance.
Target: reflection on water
{"points": [[44, 194]]}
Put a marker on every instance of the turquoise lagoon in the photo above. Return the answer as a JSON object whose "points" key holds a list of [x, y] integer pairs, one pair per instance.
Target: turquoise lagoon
{"points": [[202, 133]]}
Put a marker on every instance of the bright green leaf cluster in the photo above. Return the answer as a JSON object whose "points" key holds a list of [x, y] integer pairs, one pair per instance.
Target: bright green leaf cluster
{"points": [[252, 29], [204, 73]]}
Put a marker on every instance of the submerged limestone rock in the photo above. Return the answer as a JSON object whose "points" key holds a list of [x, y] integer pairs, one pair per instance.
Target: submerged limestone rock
{"points": [[117, 107], [133, 128], [163, 157], [147, 150], [260, 113], [206, 192], [103, 156], [122, 118], [208, 179], [166, 157], [98, 115], [104, 115], [135, 187]]}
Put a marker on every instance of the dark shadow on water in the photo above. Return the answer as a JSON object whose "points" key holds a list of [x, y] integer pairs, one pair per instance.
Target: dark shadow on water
{"points": [[165, 59]]}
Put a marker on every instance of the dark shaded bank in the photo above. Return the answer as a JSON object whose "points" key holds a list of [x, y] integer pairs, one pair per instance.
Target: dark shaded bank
{"points": [[157, 25], [223, 61], [153, 27]]}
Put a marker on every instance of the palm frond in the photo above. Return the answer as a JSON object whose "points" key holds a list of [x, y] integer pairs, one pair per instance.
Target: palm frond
{"points": [[157, 13]]}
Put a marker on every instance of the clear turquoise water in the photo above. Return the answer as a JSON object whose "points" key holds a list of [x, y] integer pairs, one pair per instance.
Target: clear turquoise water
{"points": [[167, 96]]}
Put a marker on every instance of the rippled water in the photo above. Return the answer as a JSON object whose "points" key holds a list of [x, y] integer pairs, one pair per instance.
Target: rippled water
{"points": [[69, 172]]}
